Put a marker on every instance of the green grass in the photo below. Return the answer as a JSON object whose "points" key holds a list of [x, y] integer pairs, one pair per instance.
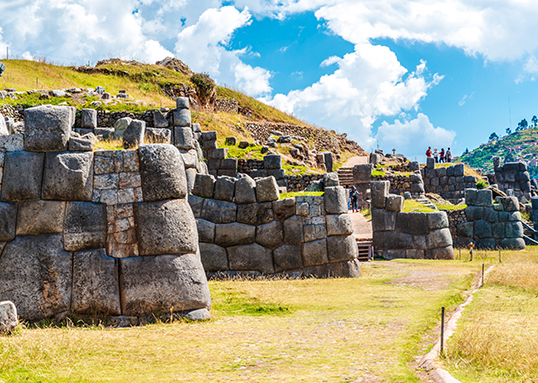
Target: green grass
{"points": [[417, 207], [311, 330], [448, 206], [300, 194], [378, 173]]}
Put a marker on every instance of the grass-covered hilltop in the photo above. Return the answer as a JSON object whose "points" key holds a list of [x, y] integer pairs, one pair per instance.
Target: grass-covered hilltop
{"points": [[520, 145], [135, 87]]}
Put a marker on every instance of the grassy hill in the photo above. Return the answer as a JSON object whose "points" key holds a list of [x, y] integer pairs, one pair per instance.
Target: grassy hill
{"points": [[148, 87], [522, 145]]}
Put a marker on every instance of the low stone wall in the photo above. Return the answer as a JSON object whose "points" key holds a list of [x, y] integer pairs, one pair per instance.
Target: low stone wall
{"points": [[399, 184], [449, 182], [226, 105], [248, 165], [513, 176], [400, 234], [244, 228], [455, 218], [105, 233], [491, 226], [298, 183]]}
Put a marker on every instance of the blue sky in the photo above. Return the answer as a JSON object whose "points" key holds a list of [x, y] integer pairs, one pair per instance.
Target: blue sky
{"points": [[403, 74]]}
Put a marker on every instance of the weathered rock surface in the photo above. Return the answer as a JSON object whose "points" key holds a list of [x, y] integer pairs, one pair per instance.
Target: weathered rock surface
{"points": [[68, 176], [162, 172], [288, 257], [163, 284], [339, 224], [133, 136], [165, 227], [336, 200], [8, 315], [40, 217], [95, 284], [270, 235], [266, 189], [234, 234], [23, 172], [204, 185], [8, 221], [225, 189], [219, 211], [214, 257], [245, 190], [47, 128], [252, 257], [36, 276], [342, 247], [315, 252], [206, 230], [85, 226]]}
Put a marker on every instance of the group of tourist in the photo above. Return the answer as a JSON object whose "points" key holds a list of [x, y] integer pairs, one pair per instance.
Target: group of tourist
{"points": [[441, 156]]}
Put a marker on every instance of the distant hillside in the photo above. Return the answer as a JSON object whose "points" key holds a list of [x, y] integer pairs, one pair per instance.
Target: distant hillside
{"points": [[518, 146], [155, 86]]}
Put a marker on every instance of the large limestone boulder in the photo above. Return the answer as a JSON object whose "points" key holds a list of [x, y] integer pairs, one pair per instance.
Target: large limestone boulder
{"points": [[41, 217], [166, 227], [162, 172], [219, 211], [342, 247], [266, 189], [23, 172], [8, 221], [288, 257], [270, 235], [95, 284], [245, 190], [68, 176], [120, 126], [214, 257], [163, 284], [234, 234], [204, 186], [336, 200], [47, 128], [225, 188], [85, 226], [134, 135], [339, 224], [36, 276], [252, 257], [8, 317], [315, 252], [88, 118]]}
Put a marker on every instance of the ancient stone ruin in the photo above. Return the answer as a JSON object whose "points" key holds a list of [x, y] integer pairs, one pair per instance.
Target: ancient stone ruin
{"points": [[513, 179], [244, 228], [104, 233], [449, 182]]}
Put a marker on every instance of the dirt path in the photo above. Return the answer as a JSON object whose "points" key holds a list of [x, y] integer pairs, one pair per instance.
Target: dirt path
{"points": [[362, 227], [357, 160]]}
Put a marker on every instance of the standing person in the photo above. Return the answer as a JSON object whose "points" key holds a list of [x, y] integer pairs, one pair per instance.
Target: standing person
{"points": [[436, 155], [448, 155], [442, 155], [429, 152], [354, 199]]}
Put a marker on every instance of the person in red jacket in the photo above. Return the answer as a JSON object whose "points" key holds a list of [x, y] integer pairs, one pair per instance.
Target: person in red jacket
{"points": [[442, 155], [429, 152]]}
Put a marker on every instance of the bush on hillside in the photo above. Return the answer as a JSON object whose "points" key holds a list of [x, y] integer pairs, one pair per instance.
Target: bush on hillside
{"points": [[205, 87]]}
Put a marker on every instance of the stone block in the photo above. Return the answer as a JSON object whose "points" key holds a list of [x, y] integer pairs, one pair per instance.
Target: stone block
{"points": [[159, 120], [439, 238], [266, 189], [47, 128], [293, 230], [315, 252], [484, 198], [498, 230], [227, 173], [68, 176], [209, 136], [8, 221], [510, 204], [219, 211], [279, 174], [190, 176], [245, 190], [204, 186], [40, 217], [302, 209], [214, 257], [392, 240], [430, 163], [162, 172], [163, 284], [459, 170], [8, 312], [232, 141], [85, 226], [288, 257], [419, 242], [183, 138], [182, 103], [12, 142], [270, 235], [133, 136], [284, 208], [252, 257], [440, 253], [362, 173], [328, 158], [88, 118], [80, 145], [36, 276], [485, 244], [330, 179], [218, 154], [206, 230], [466, 229], [181, 117], [224, 189], [379, 192], [272, 161], [106, 181], [335, 200], [339, 224], [121, 125], [341, 247], [412, 223], [491, 215], [235, 233], [394, 203], [438, 220], [95, 284], [383, 220], [314, 232], [474, 213], [504, 216], [514, 229], [22, 176], [158, 136], [165, 227], [415, 254], [513, 243], [482, 229], [514, 216]]}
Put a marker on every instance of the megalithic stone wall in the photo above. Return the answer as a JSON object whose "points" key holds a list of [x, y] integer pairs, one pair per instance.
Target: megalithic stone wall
{"points": [[449, 182], [244, 228], [105, 233], [513, 176], [400, 234], [489, 225]]}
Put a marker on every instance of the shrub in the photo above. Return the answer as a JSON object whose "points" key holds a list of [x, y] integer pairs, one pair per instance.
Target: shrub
{"points": [[205, 87], [481, 185]]}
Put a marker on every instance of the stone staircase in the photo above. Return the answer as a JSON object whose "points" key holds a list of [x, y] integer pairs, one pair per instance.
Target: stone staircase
{"points": [[345, 176], [426, 202]]}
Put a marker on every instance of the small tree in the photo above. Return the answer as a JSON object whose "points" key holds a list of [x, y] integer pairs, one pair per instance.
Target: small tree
{"points": [[508, 131], [493, 136], [466, 151], [205, 87], [524, 124], [534, 121]]}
